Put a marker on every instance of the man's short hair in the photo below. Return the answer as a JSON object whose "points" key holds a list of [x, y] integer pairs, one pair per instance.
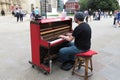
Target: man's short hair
{"points": [[80, 16]]}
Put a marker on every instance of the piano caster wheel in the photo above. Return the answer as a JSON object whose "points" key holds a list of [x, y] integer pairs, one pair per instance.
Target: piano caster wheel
{"points": [[33, 66]]}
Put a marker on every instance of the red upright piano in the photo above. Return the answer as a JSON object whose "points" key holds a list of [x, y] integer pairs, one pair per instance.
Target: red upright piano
{"points": [[45, 43]]}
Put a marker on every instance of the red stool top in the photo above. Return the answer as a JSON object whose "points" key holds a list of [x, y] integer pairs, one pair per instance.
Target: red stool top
{"points": [[87, 54]]}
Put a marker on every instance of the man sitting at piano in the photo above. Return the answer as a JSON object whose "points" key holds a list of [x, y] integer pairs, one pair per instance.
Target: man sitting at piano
{"points": [[82, 42]]}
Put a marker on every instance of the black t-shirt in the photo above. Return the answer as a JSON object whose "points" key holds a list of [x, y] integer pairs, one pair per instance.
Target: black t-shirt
{"points": [[82, 34]]}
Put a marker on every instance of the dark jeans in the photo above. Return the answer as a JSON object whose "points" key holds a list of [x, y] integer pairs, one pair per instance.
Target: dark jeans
{"points": [[18, 16], [114, 21], [21, 17], [67, 53]]}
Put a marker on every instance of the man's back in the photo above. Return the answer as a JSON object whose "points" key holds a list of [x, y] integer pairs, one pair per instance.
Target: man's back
{"points": [[82, 34]]}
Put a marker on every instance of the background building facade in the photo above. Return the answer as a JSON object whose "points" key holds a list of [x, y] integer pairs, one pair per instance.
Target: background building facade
{"points": [[29, 4], [72, 6], [8, 5], [60, 5], [52, 6]]}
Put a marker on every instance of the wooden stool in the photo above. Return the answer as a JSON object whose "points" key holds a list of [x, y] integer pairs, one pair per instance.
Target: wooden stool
{"points": [[82, 60]]}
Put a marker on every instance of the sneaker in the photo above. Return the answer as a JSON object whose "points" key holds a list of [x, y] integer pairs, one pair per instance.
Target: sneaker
{"points": [[67, 65]]}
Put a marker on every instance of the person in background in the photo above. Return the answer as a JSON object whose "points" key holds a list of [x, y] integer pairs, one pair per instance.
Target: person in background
{"points": [[32, 15], [37, 13], [17, 14], [115, 16], [82, 42], [118, 19], [90, 14], [86, 15], [21, 14], [13, 13], [99, 14], [110, 13], [2, 12]]}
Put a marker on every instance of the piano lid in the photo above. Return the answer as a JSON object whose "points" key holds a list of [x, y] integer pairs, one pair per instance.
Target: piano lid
{"points": [[53, 20]]}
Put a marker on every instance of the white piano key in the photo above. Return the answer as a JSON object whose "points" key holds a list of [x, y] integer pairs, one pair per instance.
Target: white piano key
{"points": [[57, 40]]}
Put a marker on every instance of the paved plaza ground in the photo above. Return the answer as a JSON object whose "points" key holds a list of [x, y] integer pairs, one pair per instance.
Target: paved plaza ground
{"points": [[15, 52]]}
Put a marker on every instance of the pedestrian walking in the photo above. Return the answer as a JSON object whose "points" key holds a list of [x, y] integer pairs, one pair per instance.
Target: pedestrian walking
{"points": [[115, 16], [90, 14], [21, 14], [17, 14], [118, 19], [32, 15], [37, 13], [99, 14]]}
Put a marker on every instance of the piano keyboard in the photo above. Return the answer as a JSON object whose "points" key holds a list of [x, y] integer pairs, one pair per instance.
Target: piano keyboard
{"points": [[56, 41]]}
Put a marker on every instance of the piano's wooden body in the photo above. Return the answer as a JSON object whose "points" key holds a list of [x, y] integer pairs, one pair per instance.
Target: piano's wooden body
{"points": [[45, 43]]}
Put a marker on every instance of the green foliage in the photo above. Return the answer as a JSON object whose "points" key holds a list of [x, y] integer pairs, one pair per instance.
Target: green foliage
{"points": [[104, 5], [83, 4]]}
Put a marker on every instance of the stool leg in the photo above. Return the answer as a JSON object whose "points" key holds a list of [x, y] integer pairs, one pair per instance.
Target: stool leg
{"points": [[75, 64], [80, 63], [91, 64], [86, 68]]}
